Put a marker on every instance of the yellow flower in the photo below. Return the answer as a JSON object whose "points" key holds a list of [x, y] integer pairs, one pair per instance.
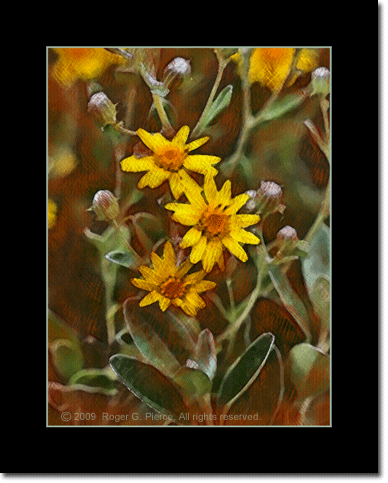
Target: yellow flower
{"points": [[169, 160], [169, 284], [271, 65], [214, 223], [82, 63], [51, 213]]}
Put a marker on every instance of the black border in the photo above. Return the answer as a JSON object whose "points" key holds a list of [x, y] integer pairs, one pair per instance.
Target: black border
{"points": [[351, 445]]}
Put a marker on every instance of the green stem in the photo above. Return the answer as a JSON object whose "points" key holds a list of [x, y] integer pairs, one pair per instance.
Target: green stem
{"points": [[169, 130], [128, 245], [222, 63], [236, 324]]}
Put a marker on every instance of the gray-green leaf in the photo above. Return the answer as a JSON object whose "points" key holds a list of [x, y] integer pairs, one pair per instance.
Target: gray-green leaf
{"points": [[242, 373], [219, 104], [148, 384]]}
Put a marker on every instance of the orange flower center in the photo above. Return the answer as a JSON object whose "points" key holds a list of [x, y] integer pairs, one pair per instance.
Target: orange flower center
{"points": [[170, 158], [173, 288], [214, 223]]}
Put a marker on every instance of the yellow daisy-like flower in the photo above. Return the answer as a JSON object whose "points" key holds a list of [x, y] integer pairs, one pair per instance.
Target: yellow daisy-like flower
{"points": [[82, 63], [169, 284], [271, 65], [169, 160], [214, 223], [51, 213]]}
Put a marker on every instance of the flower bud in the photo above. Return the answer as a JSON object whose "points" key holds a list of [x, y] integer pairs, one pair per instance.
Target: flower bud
{"points": [[286, 240], [102, 108], [105, 206], [178, 69], [266, 199], [320, 82]]}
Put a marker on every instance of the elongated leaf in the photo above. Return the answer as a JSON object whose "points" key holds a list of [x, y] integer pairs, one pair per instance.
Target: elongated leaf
{"points": [[205, 353], [67, 357], [160, 337], [149, 385], [219, 104], [259, 404], [283, 106], [120, 257], [194, 382], [310, 370], [320, 298], [245, 369], [95, 381], [290, 298], [317, 261]]}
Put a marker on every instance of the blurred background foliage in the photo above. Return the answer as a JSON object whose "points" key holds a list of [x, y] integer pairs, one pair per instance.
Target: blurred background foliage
{"points": [[81, 161]]}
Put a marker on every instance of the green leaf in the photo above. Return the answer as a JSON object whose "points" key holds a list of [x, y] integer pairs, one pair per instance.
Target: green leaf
{"points": [[245, 370], [205, 353], [67, 357], [149, 385], [194, 382], [100, 381], [282, 106], [317, 261], [59, 329], [161, 338], [290, 298], [123, 258], [320, 298], [310, 370], [219, 104]]}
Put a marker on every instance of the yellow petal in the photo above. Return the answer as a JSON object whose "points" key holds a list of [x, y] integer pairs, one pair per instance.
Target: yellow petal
{"points": [[244, 236], [153, 141], [236, 203], [195, 277], [150, 298], [183, 269], [143, 284], [181, 136], [169, 254], [188, 308], [134, 165], [242, 221], [225, 194], [235, 248], [150, 275], [191, 238], [176, 185], [201, 163], [198, 250], [193, 299], [197, 143], [164, 303], [184, 213], [153, 178], [157, 262], [204, 285], [211, 255], [192, 190], [210, 189]]}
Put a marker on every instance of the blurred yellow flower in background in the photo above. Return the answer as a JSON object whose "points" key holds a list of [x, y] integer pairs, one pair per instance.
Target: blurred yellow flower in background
{"points": [[51, 213], [87, 63], [214, 223], [169, 284], [169, 160], [271, 65]]}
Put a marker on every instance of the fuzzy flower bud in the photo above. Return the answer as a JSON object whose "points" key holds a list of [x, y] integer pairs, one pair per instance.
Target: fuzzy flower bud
{"points": [[105, 205], [266, 199], [178, 69], [320, 82], [286, 240], [102, 108]]}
